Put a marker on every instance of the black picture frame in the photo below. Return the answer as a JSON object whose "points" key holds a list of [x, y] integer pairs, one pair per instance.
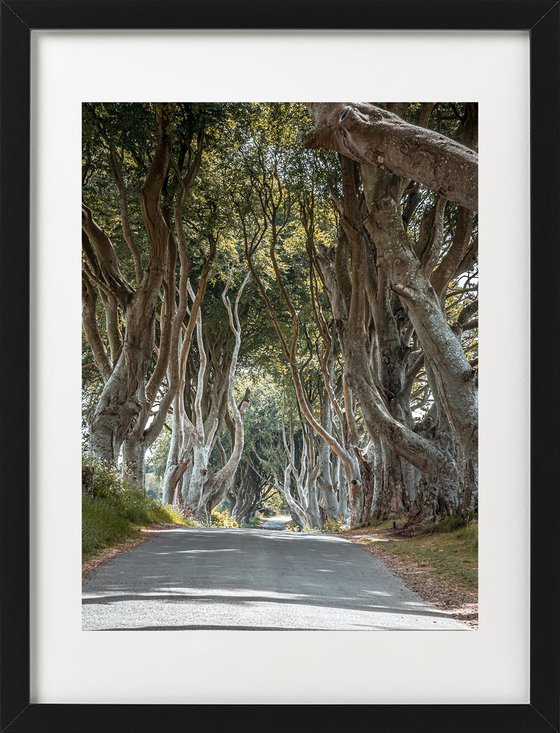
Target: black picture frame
{"points": [[17, 19]]}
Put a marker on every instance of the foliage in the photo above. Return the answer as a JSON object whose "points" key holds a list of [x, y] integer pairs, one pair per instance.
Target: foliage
{"points": [[254, 522], [102, 526], [116, 510], [251, 156], [334, 526], [273, 505], [158, 459], [223, 519], [292, 527]]}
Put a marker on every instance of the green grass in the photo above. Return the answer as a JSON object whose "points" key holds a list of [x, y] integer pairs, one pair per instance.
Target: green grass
{"points": [[450, 554], [116, 511], [107, 521]]}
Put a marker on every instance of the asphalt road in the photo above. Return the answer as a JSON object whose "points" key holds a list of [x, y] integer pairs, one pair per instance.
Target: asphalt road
{"points": [[252, 579], [278, 523]]}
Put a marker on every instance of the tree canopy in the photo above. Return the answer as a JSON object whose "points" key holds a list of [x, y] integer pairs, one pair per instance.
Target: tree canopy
{"points": [[281, 299]]}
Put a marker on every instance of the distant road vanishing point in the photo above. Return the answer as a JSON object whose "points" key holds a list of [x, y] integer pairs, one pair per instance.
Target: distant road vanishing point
{"points": [[259, 579]]}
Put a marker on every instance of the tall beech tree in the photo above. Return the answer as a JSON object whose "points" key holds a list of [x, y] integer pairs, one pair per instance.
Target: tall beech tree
{"points": [[199, 411], [143, 318], [122, 396], [387, 281]]}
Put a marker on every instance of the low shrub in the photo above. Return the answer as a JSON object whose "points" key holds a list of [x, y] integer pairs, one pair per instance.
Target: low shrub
{"points": [[334, 526], [292, 526], [222, 519]]}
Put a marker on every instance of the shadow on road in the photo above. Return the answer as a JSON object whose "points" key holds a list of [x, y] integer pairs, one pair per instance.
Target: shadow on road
{"points": [[247, 568]]}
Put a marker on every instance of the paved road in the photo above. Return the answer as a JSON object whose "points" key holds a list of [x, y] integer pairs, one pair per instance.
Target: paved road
{"points": [[278, 523], [252, 579]]}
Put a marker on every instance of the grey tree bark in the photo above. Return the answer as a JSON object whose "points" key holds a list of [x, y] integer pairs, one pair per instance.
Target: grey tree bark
{"points": [[371, 135], [387, 295]]}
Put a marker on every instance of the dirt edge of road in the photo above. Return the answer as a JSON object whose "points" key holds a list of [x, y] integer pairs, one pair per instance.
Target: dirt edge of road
{"points": [[459, 603], [94, 562]]}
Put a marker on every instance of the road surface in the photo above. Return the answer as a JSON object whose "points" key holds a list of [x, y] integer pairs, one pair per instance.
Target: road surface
{"points": [[278, 523], [189, 578]]}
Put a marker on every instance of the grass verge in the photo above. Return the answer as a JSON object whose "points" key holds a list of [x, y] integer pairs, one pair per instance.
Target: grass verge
{"points": [[108, 521], [440, 563], [451, 555], [115, 511]]}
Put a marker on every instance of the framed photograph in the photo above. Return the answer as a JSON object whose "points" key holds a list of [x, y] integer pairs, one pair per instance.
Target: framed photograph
{"points": [[245, 470]]}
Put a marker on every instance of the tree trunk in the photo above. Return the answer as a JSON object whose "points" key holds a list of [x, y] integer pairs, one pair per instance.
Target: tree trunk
{"points": [[134, 454], [123, 394], [122, 397]]}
